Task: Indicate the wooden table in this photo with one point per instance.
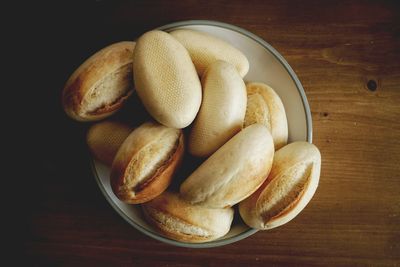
(347, 56)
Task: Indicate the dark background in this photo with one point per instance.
(336, 48)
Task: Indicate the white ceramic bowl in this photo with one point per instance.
(266, 65)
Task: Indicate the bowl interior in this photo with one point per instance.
(266, 65)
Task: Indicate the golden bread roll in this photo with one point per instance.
(289, 187)
(181, 221)
(233, 172)
(222, 110)
(104, 139)
(145, 162)
(204, 49)
(100, 86)
(264, 106)
(166, 80)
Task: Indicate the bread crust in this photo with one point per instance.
(233, 172)
(205, 48)
(181, 221)
(265, 106)
(289, 187)
(166, 80)
(146, 162)
(115, 59)
(222, 110)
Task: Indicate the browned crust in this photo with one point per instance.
(159, 181)
(173, 235)
(84, 77)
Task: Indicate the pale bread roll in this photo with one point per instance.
(204, 49)
(105, 138)
(233, 172)
(100, 86)
(181, 221)
(222, 110)
(265, 106)
(166, 80)
(289, 187)
(145, 162)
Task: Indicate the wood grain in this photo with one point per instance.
(335, 47)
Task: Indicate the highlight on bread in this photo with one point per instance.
(233, 172)
(100, 86)
(105, 138)
(265, 106)
(181, 221)
(166, 80)
(205, 48)
(146, 162)
(222, 110)
(289, 187)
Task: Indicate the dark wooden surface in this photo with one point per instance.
(337, 49)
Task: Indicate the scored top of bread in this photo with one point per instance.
(166, 80)
(205, 48)
(290, 185)
(145, 162)
(184, 222)
(101, 84)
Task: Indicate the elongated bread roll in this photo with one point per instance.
(204, 49)
(105, 138)
(289, 187)
(145, 162)
(264, 106)
(166, 79)
(100, 86)
(222, 110)
(181, 221)
(233, 172)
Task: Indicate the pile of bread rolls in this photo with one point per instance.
(192, 80)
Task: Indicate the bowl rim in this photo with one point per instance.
(307, 111)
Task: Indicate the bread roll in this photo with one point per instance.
(181, 221)
(233, 172)
(222, 110)
(204, 49)
(289, 187)
(264, 106)
(166, 80)
(145, 162)
(104, 139)
(99, 87)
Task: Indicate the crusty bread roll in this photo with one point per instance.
(233, 172)
(289, 187)
(145, 162)
(166, 79)
(104, 139)
(99, 87)
(181, 221)
(204, 49)
(264, 106)
(222, 110)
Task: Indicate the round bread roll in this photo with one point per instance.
(166, 80)
(204, 49)
(222, 110)
(289, 187)
(100, 86)
(145, 162)
(181, 221)
(104, 139)
(264, 106)
(233, 172)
